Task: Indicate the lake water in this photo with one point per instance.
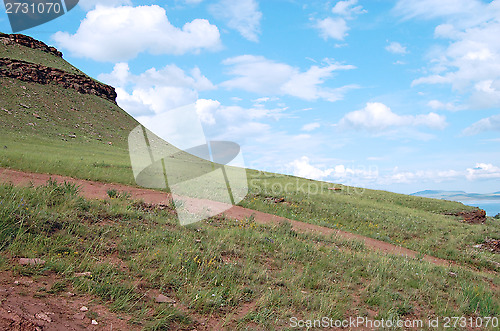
(492, 207)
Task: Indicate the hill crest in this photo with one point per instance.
(23, 67)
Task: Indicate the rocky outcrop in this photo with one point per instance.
(473, 217)
(28, 42)
(36, 73)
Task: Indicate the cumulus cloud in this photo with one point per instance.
(336, 27)
(242, 15)
(155, 91)
(376, 117)
(260, 75)
(366, 176)
(491, 123)
(120, 34)
(483, 171)
(470, 62)
(396, 48)
(302, 167)
(239, 124)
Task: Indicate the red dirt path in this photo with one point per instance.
(98, 190)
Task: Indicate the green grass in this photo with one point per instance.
(413, 222)
(220, 266)
(63, 113)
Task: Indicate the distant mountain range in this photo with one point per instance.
(457, 195)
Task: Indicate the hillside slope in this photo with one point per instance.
(53, 129)
(135, 258)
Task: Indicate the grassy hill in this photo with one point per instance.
(249, 275)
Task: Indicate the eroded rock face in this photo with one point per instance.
(31, 72)
(28, 42)
(475, 216)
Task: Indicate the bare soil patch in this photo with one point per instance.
(26, 306)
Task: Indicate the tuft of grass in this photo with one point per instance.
(221, 266)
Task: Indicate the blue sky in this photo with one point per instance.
(395, 95)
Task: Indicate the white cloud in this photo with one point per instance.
(260, 75)
(483, 171)
(348, 8)
(156, 91)
(376, 117)
(242, 15)
(193, 2)
(369, 176)
(91, 4)
(206, 109)
(120, 34)
(470, 63)
(491, 123)
(436, 104)
(310, 127)
(396, 48)
(408, 177)
(335, 28)
(302, 167)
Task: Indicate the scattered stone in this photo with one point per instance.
(79, 316)
(72, 136)
(25, 106)
(37, 116)
(36, 261)
(492, 245)
(452, 274)
(94, 322)
(335, 188)
(84, 308)
(276, 200)
(164, 299)
(83, 274)
(23, 87)
(43, 317)
(31, 124)
(110, 143)
(7, 111)
(4, 147)
(70, 294)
